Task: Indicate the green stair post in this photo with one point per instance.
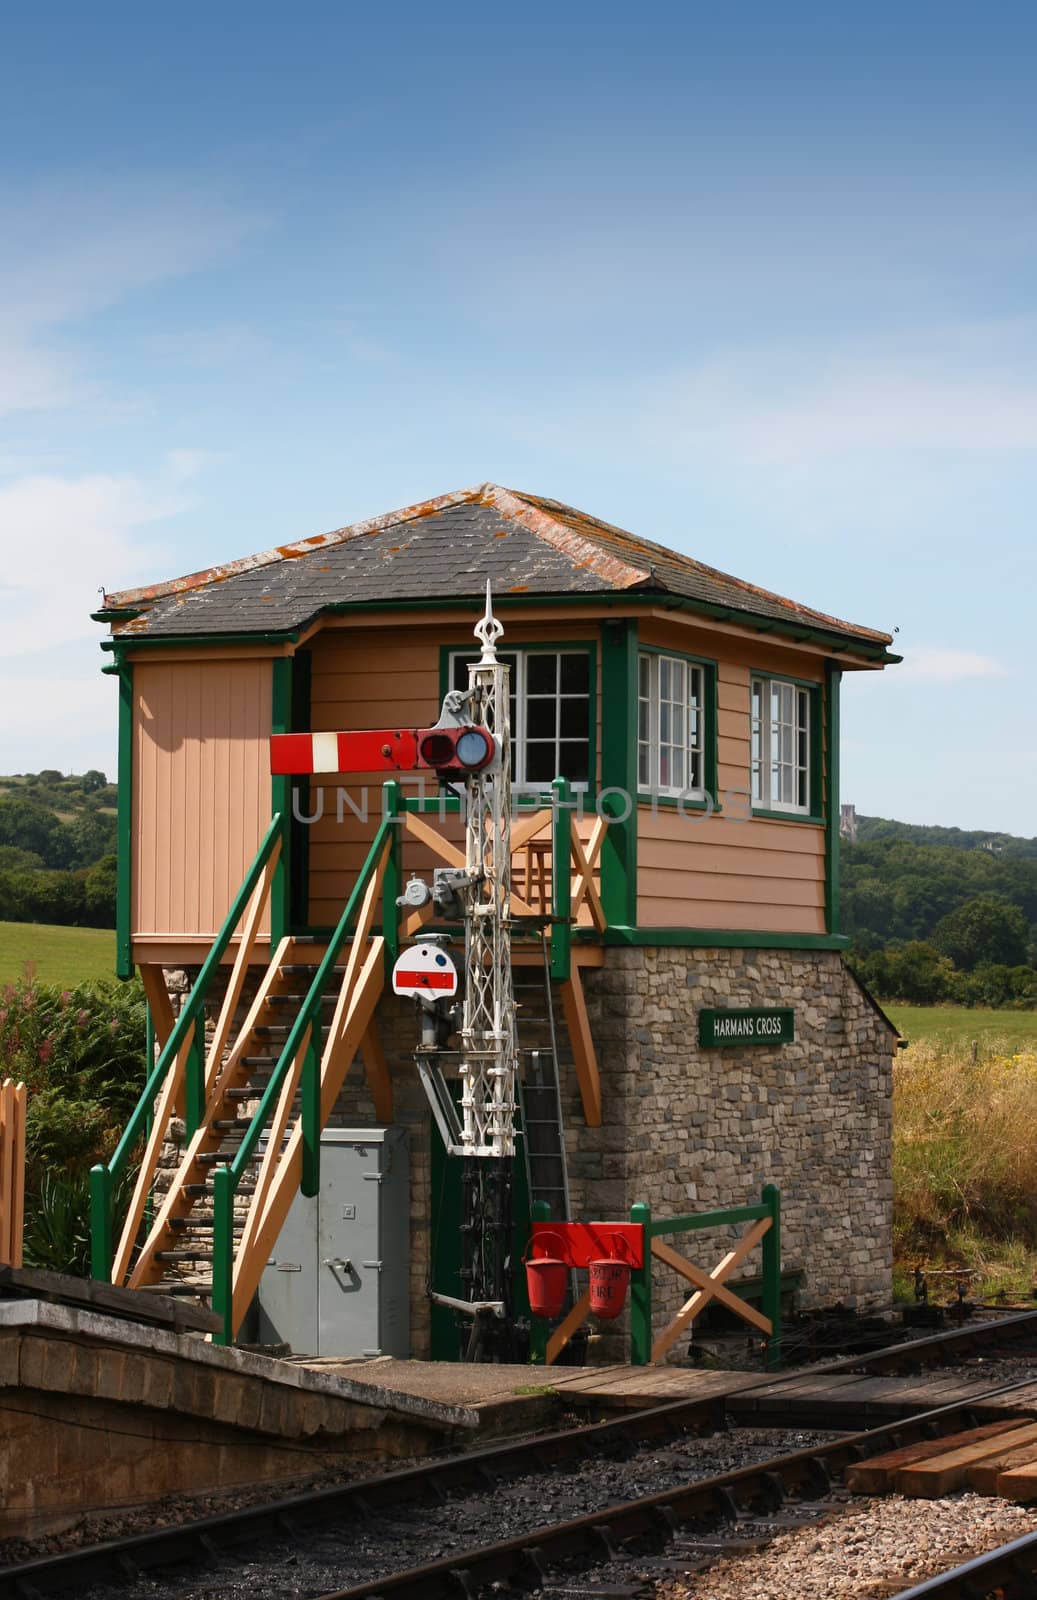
(223, 1253)
(561, 882)
(392, 883)
(194, 1082)
(641, 1292)
(101, 1224)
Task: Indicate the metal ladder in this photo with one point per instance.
(540, 1101)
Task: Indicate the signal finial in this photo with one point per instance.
(488, 631)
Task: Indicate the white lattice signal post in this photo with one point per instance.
(470, 744)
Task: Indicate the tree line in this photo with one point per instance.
(936, 921)
(58, 849)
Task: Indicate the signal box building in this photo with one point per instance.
(676, 898)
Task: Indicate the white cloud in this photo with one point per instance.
(937, 664)
(64, 538)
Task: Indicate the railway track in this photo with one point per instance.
(1010, 1572)
(694, 1511)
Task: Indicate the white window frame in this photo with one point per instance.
(522, 655)
(689, 711)
(780, 745)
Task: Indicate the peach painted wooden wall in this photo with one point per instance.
(698, 871)
(201, 793)
(380, 677)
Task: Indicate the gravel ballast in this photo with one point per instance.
(875, 1548)
(357, 1548)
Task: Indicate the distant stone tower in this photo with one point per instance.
(848, 823)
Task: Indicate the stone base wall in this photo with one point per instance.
(686, 1129)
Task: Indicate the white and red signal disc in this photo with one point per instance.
(425, 969)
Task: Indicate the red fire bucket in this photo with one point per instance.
(608, 1287)
(546, 1279)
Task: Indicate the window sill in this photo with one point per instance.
(789, 816)
(674, 801)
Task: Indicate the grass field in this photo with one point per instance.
(958, 1025)
(59, 955)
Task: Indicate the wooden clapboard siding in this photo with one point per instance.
(730, 870)
(370, 678)
(713, 872)
(201, 790)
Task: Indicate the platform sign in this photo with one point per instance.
(750, 1026)
(425, 969)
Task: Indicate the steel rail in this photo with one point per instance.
(712, 1499)
(199, 1538)
(653, 1519)
(1009, 1571)
(431, 1480)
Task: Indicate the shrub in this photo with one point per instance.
(80, 1052)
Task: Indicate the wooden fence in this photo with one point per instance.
(12, 1171)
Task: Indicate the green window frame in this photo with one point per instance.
(800, 754)
(702, 673)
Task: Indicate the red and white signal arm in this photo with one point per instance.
(425, 969)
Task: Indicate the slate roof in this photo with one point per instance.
(445, 549)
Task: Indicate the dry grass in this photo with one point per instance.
(964, 1158)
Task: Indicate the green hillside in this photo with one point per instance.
(942, 914)
(57, 848)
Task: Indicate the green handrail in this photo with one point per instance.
(227, 1178)
(769, 1205)
(561, 880)
(104, 1176)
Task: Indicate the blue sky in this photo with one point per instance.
(760, 283)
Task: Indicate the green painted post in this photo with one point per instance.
(149, 1057)
(561, 881)
(618, 793)
(281, 801)
(392, 883)
(124, 827)
(641, 1292)
(771, 1244)
(540, 1211)
(101, 1224)
(194, 1085)
(223, 1253)
(310, 1180)
(833, 680)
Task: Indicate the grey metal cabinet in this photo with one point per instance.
(338, 1283)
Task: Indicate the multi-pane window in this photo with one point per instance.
(670, 725)
(550, 713)
(780, 745)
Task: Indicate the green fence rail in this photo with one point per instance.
(641, 1277)
(105, 1176)
(227, 1178)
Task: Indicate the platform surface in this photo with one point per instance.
(488, 1388)
(515, 1395)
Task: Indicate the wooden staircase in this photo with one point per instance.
(253, 1096)
(177, 1255)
